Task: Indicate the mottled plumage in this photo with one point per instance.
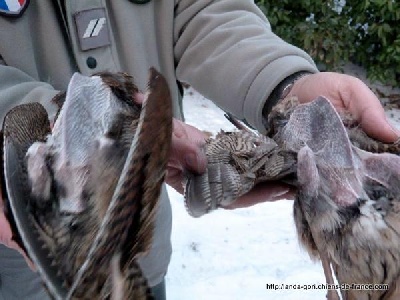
(236, 162)
(94, 182)
(347, 209)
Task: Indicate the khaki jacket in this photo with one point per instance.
(223, 48)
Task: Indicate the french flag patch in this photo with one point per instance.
(13, 8)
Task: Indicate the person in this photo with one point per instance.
(225, 49)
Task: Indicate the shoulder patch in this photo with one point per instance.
(13, 8)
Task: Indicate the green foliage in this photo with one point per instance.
(363, 31)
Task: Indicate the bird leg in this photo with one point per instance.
(235, 122)
(332, 294)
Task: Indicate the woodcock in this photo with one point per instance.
(347, 207)
(83, 194)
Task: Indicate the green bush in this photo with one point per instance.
(378, 41)
(365, 32)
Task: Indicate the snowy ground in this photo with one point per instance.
(234, 254)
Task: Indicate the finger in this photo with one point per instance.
(367, 108)
(183, 130)
(189, 155)
(265, 192)
(138, 98)
(174, 178)
(5, 229)
(6, 238)
(187, 148)
(178, 129)
(376, 125)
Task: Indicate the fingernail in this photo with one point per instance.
(283, 194)
(138, 97)
(395, 130)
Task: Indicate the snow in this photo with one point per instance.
(234, 254)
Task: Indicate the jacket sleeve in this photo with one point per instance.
(226, 50)
(16, 87)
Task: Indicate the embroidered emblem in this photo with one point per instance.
(92, 28)
(13, 8)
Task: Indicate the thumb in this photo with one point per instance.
(6, 238)
(187, 151)
(366, 107)
(351, 94)
(375, 123)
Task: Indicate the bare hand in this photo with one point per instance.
(6, 235)
(187, 154)
(344, 91)
(264, 192)
(351, 94)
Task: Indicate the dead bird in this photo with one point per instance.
(346, 211)
(347, 208)
(88, 189)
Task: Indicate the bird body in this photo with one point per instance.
(90, 187)
(347, 207)
(94, 182)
